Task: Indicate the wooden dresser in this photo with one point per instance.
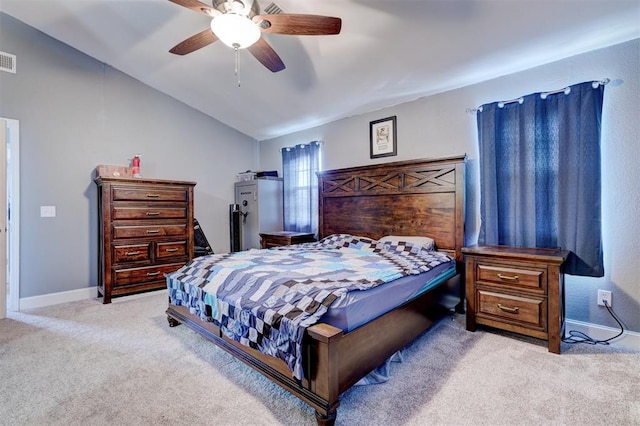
(516, 289)
(145, 231)
(284, 238)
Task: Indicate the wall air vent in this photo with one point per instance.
(272, 9)
(7, 62)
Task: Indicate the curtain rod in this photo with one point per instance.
(302, 145)
(543, 95)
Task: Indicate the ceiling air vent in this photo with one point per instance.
(7, 62)
(272, 9)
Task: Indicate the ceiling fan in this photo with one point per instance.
(239, 25)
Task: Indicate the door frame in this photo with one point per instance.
(13, 191)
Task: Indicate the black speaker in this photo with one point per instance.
(235, 227)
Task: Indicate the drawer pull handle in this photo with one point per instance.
(171, 250)
(153, 231)
(153, 213)
(508, 277)
(513, 310)
(153, 274)
(132, 253)
(153, 195)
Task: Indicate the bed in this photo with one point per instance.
(416, 198)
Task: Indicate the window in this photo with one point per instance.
(299, 167)
(540, 174)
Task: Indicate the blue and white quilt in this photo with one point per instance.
(265, 299)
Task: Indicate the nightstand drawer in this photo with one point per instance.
(285, 238)
(525, 310)
(511, 276)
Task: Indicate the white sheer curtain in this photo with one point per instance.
(299, 167)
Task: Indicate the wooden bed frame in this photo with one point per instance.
(420, 197)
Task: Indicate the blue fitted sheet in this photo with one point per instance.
(359, 307)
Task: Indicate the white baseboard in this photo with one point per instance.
(90, 293)
(57, 298)
(629, 339)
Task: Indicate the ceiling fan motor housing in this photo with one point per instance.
(248, 8)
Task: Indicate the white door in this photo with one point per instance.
(10, 222)
(3, 218)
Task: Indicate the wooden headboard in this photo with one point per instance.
(418, 197)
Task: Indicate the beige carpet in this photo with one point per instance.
(84, 363)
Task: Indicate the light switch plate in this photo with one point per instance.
(47, 211)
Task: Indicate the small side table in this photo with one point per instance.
(285, 238)
(517, 289)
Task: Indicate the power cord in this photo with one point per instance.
(580, 337)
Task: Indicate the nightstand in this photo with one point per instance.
(516, 289)
(285, 238)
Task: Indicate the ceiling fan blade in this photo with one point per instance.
(268, 57)
(196, 6)
(194, 42)
(298, 24)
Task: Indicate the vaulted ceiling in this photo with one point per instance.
(388, 52)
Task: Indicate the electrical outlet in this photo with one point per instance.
(604, 295)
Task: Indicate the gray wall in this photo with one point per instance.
(76, 113)
(438, 125)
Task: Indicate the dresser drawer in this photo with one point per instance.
(123, 277)
(528, 311)
(149, 194)
(125, 213)
(171, 249)
(510, 276)
(131, 253)
(176, 230)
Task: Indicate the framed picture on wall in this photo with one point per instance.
(382, 135)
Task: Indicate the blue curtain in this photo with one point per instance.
(299, 167)
(540, 174)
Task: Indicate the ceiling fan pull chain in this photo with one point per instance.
(237, 65)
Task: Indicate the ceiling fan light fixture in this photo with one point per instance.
(236, 31)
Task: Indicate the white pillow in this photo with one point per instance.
(425, 242)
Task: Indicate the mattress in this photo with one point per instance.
(356, 308)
